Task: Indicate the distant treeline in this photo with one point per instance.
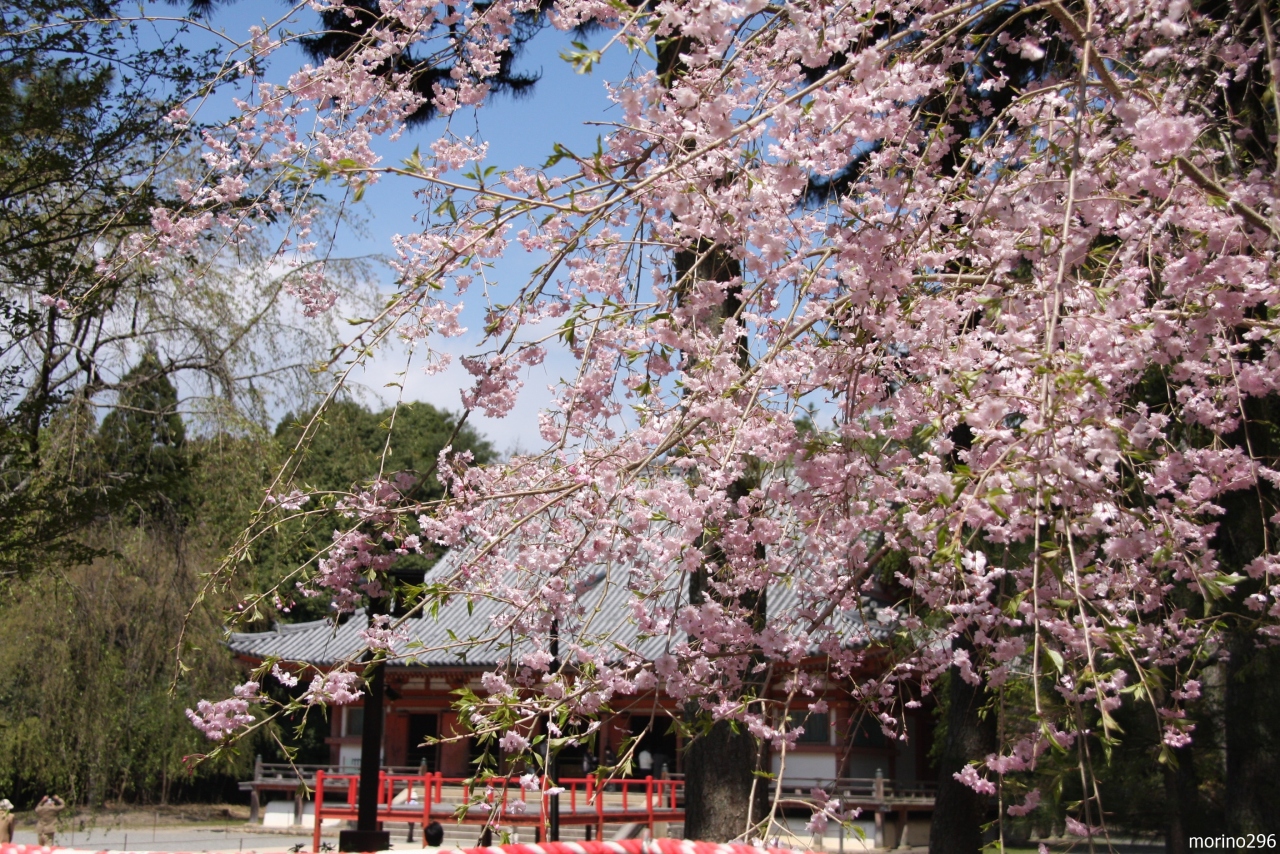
(91, 700)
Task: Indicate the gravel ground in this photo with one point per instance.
(189, 827)
(233, 838)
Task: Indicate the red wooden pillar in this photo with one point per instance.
(319, 811)
(648, 802)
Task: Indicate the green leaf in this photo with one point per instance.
(559, 153)
(581, 57)
(1056, 657)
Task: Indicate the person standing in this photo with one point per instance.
(6, 821)
(47, 817)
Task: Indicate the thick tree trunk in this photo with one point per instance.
(1180, 791)
(1189, 813)
(1193, 781)
(1253, 737)
(718, 777)
(719, 766)
(1251, 711)
(959, 812)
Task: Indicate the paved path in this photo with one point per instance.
(231, 838)
(242, 838)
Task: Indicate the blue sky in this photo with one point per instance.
(518, 131)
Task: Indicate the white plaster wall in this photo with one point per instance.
(807, 766)
(349, 757)
(865, 766)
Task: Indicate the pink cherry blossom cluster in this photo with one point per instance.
(351, 568)
(383, 634)
(826, 810)
(219, 720)
(337, 688)
(966, 361)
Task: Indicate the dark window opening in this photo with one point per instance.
(355, 720)
(817, 728)
(422, 727)
(868, 734)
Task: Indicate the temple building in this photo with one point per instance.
(438, 660)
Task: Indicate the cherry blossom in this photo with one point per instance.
(337, 687)
(952, 327)
(221, 719)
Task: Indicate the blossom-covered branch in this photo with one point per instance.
(1002, 316)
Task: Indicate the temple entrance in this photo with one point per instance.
(422, 727)
(659, 742)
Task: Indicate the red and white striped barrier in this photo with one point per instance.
(628, 846)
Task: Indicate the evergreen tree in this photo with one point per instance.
(334, 453)
(81, 147)
(143, 442)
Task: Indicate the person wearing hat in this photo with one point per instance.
(47, 817)
(6, 821)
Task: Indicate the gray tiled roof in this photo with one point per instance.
(467, 623)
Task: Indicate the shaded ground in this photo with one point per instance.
(131, 816)
(224, 828)
(192, 838)
(188, 827)
(203, 827)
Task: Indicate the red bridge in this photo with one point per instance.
(422, 798)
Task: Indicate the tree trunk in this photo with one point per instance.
(1194, 781)
(1251, 715)
(959, 812)
(1189, 812)
(718, 778)
(719, 766)
(1253, 737)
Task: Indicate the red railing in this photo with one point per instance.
(662, 800)
(625, 846)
